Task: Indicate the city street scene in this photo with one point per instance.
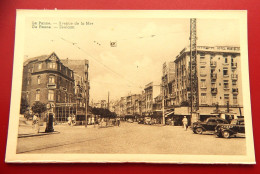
(132, 86)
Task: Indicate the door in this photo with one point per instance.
(212, 123)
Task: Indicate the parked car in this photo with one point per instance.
(148, 120)
(208, 125)
(237, 126)
(141, 121)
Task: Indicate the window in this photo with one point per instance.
(32, 67)
(37, 98)
(39, 80)
(202, 56)
(51, 79)
(40, 66)
(58, 96)
(52, 65)
(226, 59)
(203, 83)
(221, 121)
(203, 98)
(51, 95)
(66, 97)
(226, 84)
(234, 82)
(214, 98)
(225, 72)
(226, 98)
(211, 121)
(27, 95)
(235, 99)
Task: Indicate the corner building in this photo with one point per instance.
(47, 80)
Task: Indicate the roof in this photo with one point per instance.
(39, 58)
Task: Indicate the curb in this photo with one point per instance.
(35, 135)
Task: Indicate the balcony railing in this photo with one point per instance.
(214, 90)
(213, 63)
(234, 76)
(233, 65)
(213, 75)
(235, 90)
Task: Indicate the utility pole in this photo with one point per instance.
(194, 97)
(86, 91)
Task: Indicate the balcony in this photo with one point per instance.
(214, 90)
(51, 86)
(233, 65)
(234, 76)
(79, 96)
(213, 63)
(235, 90)
(213, 76)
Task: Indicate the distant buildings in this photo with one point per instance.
(219, 87)
(53, 82)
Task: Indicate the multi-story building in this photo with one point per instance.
(151, 91)
(219, 78)
(167, 82)
(81, 88)
(46, 79)
(122, 107)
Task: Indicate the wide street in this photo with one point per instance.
(131, 138)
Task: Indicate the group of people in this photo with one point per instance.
(72, 120)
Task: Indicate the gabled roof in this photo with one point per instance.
(40, 58)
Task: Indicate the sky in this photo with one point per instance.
(142, 46)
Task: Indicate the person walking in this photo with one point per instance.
(73, 122)
(185, 123)
(69, 121)
(35, 123)
(118, 121)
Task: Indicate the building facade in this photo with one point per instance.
(168, 77)
(49, 80)
(219, 77)
(81, 85)
(151, 91)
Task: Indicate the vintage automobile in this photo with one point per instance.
(208, 125)
(148, 120)
(237, 126)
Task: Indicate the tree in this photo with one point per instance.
(39, 107)
(23, 105)
(104, 113)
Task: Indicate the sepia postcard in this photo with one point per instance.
(152, 86)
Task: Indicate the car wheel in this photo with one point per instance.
(226, 134)
(199, 130)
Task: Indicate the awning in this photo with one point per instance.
(169, 113)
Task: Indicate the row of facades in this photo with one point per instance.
(219, 87)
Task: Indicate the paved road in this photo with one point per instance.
(130, 138)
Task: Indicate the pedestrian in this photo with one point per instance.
(35, 123)
(185, 123)
(69, 120)
(118, 121)
(73, 120)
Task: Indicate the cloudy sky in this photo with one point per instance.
(143, 45)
